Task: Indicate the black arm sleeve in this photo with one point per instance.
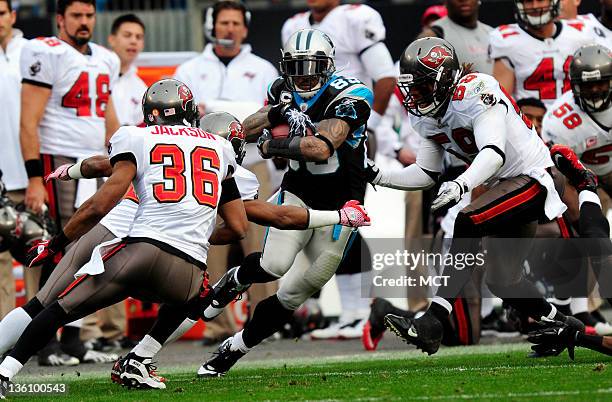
(229, 191)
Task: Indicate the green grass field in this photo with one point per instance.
(500, 372)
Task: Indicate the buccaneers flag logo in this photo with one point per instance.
(185, 94)
(436, 57)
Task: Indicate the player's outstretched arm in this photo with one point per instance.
(232, 210)
(88, 215)
(288, 217)
(90, 168)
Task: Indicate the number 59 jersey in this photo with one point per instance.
(178, 182)
(329, 184)
(565, 123)
(73, 122)
(541, 66)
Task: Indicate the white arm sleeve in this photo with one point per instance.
(378, 62)
(410, 178)
(490, 135)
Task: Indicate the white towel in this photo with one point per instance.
(553, 206)
(95, 266)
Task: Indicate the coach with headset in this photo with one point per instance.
(228, 72)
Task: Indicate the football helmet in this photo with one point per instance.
(8, 220)
(591, 77)
(535, 17)
(169, 102)
(29, 228)
(308, 61)
(429, 72)
(227, 126)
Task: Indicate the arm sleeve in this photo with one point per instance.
(430, 156)
(409, 178)
(36, 64)
(378, 62)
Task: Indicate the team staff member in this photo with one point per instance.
(11, 163)
(227, 70)
(67, 113)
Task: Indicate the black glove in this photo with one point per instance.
(265, 136)
(372, 173)
(278, 114)
(553, 339)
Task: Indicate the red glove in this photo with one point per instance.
(44, 250)
(353, 214)
(61, 173)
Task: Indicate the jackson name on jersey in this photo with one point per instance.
(328, 185)
(565, 123)
(178, 183)
(541, 66)
(73, 122)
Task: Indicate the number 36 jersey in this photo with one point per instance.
(328, 185)
(565, 123)
(540, 66)
(178, 182)
(73, 122)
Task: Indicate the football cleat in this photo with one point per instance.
(221, 362)
(225, 291)
(425, 332)
(554, 337)
(54, 358)
(92, 356)
(133, 371)
(567, 162)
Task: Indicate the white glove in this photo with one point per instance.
(450, 194)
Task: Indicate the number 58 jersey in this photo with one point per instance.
(565, 123)
(73, 122)
(178, 182)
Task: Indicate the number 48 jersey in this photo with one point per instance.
(178, 182)
(541, 66)
(73, 122)
(565, 123)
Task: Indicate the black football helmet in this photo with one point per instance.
(30, 228)
(169, 102)
(591, 77)
(429, 72)
(536, 17)
(227, 126)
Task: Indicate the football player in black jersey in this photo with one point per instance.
(325, 171)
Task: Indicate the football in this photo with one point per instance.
(282, 131)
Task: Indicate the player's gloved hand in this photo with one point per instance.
(554, 338)
(354, 215)
(278, 114)
(372, 173)
(61, 173)
(266, 135)
(299, 123)
(450, 194)
(44, 250)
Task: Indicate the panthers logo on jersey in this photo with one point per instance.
(346, 109)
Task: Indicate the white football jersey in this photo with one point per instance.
(352, 27)
(565, 123)
(73, 122)
(127, 98)
(178, 182)
(541, 66)
(595, 29)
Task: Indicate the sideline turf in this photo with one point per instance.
(476, 373)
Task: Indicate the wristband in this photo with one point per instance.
(74, 171)
(286, 148)
(327, 142)
(34, 168)
(317, 219)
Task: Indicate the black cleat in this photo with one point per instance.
(425, 332)
(133, 371)
(567, 162)
(221, 362)
(225, 291)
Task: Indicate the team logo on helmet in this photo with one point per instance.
(185, 94)
(236, 130)
(436, 56)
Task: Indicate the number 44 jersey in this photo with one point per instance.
(565, 123)
(178, 182)
(329, 184)
(73, 122)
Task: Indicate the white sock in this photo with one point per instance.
(443, 302)
(11, 328)
(236, 276)
(238, 343)
(147, 347)
(185, 326)
(588, 196)
(10, 367)
(579, 305)
(76, 324)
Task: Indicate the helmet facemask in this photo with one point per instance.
(593, 96)
(426, 94)
(536, 17)
(306, 74)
